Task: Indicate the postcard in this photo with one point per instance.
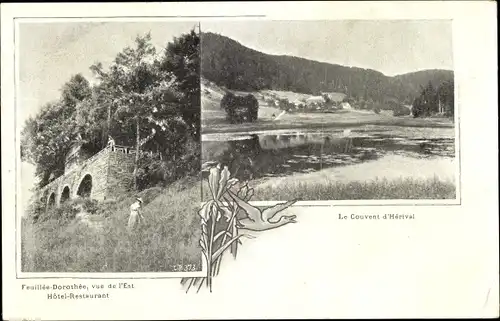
(249, 160)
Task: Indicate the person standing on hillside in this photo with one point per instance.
(111, 143)
(135, 217)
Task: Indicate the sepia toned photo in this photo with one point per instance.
(108, 115)
(332, 110)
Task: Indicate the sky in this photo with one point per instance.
(50, 53)
(389, 46)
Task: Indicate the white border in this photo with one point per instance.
(454, 251)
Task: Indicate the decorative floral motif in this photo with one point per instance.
(230, 199)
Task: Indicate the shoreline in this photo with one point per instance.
(253, 128)
(372, 171)
(407, 180)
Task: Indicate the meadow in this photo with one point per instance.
(59, 242)
(213, 118)
(390, 177)
(378, 189)
(393, 151)
(328, 188)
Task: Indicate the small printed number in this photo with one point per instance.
(184, 267)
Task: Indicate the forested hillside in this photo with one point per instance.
(232, 65)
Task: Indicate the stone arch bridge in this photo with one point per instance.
(103, 176)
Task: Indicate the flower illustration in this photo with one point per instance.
(228, 199)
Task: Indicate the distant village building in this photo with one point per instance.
(334, 96)
(345, 105)
(315, 100)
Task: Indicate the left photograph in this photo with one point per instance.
(108, 117)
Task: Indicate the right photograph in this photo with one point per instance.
(331, 110)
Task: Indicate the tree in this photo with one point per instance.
(142, 95)
(142, 99)
(427, 104)
(45, 141)
(240, 108)
(418, 107)
(182, 59)
(446, 94)
(75, 90)
(430, 99)
(47, 137)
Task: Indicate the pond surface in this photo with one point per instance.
(271, 154)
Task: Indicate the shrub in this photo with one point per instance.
(65, 212)
(161, 172)
(401, 111)
(240, 109)
(36, 209)
(182, 158)
(270, 102)
(349, 100)
(227, 101)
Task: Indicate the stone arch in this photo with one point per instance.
(51, 200)
(65, 195)
(85, 187)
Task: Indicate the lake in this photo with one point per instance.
(285, 152)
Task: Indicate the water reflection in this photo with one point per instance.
(257, 156)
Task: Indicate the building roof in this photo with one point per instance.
(335, 96)
(315, 99)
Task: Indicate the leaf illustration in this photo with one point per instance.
(224, 247)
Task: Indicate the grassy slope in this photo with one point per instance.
(169, 236)
(213, 118)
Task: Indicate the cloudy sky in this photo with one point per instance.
(50, 53)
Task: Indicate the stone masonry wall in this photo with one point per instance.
(96, 167)
(120, 174)
(111, 173)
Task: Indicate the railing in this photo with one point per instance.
(131, 150)
(121, 149)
